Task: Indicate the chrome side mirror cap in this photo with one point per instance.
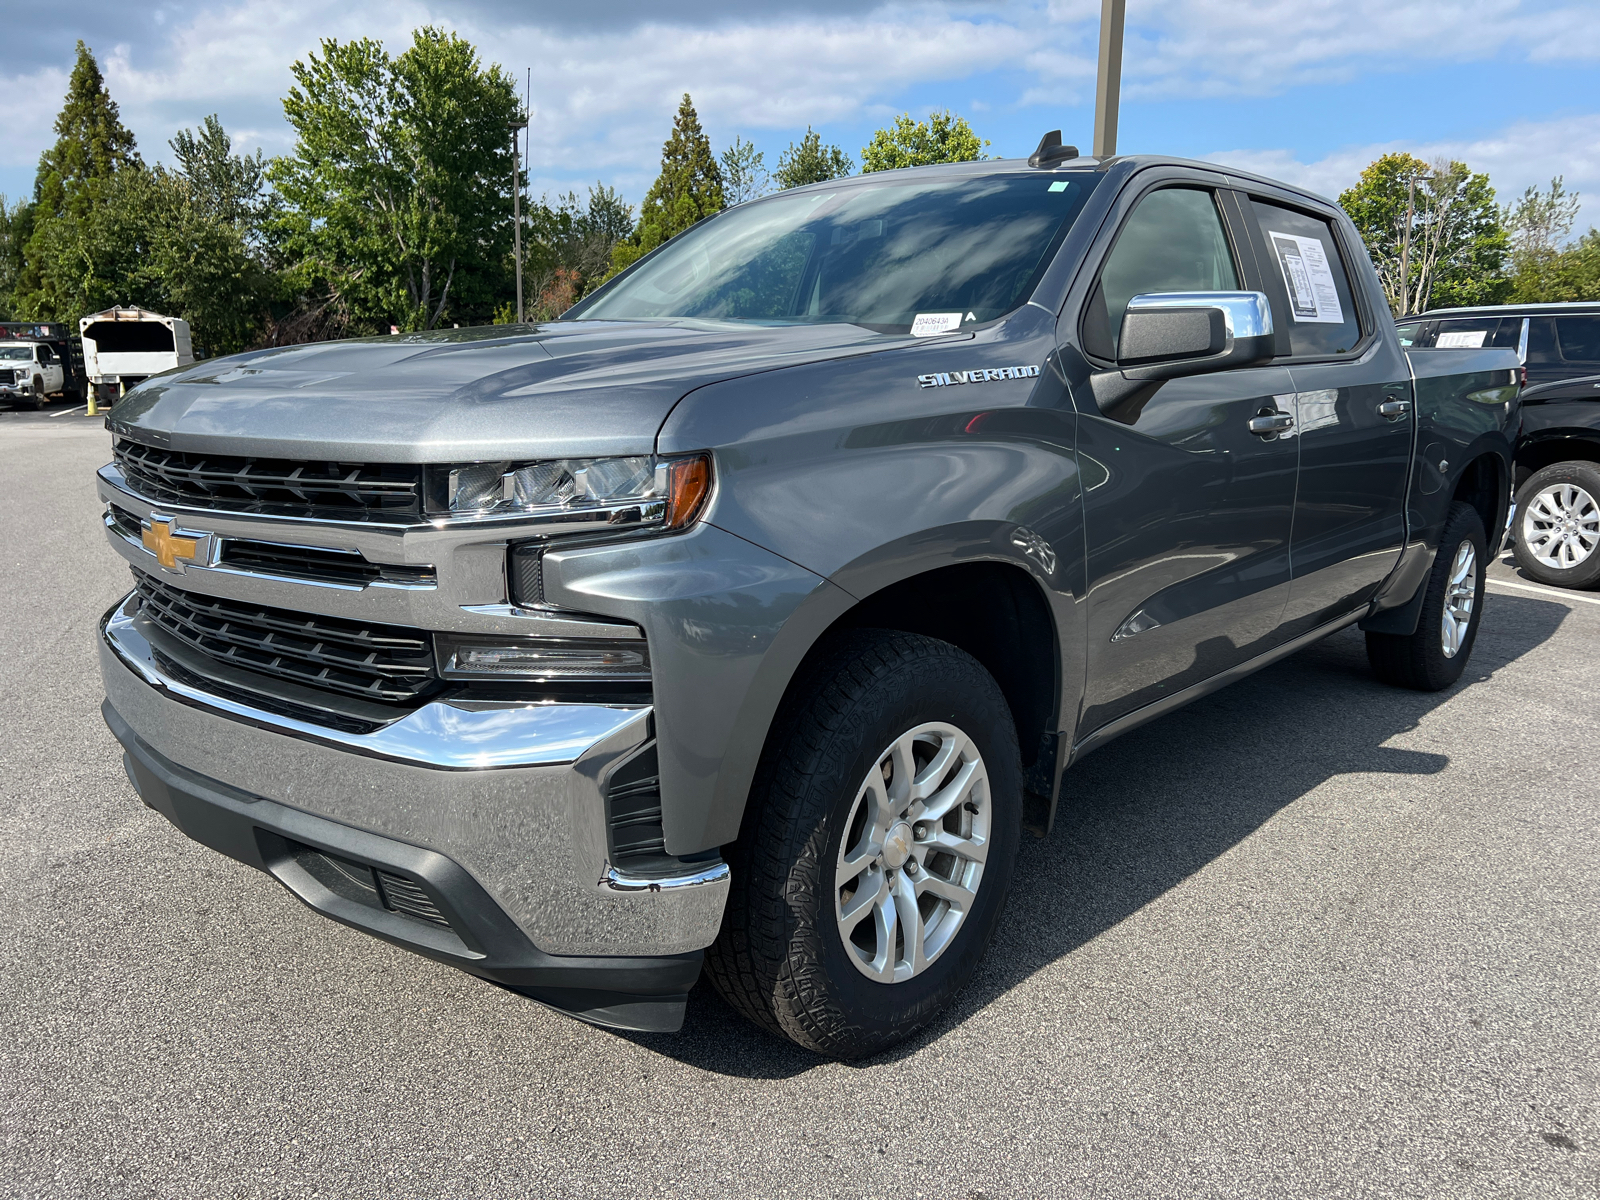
(1166, 335)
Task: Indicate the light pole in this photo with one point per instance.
(516, 205)
(1108, 84)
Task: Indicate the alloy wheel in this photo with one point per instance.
(1460, 594)
(913, 852)
(1561, 526)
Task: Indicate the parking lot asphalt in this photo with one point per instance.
(1310, 937)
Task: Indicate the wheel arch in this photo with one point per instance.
(991, 605)
(1555, 446)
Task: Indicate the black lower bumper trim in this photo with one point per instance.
(313, 857)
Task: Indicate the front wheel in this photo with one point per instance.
(1558, 525)
(879, 850)
(1433, 657)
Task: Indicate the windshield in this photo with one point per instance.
(14, 353)
(950, 251)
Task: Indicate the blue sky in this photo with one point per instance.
(1308, 90)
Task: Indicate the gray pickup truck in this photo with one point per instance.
(745, 617)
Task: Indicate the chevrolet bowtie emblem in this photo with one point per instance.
(174, 547)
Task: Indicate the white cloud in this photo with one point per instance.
(608, 75)
(1522, 155)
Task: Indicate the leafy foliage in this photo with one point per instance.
(810, 161)
(1433, 230)
(397, 201)
(942, 138)
(688, 189)
(744, 173)
(569, 246)
(1544, 267)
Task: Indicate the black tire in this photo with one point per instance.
(1418, 660)
(781, 959)
(1581, 483)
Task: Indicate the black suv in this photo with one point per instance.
(1556, 527)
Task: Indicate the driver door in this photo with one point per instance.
(1187, 511)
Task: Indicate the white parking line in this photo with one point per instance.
(66, 411)
(1553, 593)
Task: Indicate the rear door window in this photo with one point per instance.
(1173, 242)
(1462, 333)
(1316, 304)
(1579, 339)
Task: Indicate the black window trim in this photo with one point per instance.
(1270, 283)
(1127, 201)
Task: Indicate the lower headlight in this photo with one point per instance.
(542, 659)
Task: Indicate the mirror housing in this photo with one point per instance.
(1168, 335)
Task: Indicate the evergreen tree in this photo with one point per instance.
(811, 162)
(688, 189)
(74, 179)
(942, 138)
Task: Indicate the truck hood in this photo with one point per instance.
(544, 391)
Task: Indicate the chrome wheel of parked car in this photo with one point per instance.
(1561, 526)
(1460, 594)
(913, 853)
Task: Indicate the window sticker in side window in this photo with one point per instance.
(1307, 278)
(1462, 339)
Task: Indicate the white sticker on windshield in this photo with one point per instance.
(1462, 340)
(1308, 278)
(928, 324)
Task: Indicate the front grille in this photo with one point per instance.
(8, 376)
(316, 563)
(275, 486)
(355, 658)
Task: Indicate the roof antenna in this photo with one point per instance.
(1051, 151)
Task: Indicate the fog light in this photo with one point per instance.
(543, 658)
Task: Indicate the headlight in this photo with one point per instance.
(548, 659)
(573, 493)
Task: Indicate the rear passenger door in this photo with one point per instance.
(1353, 414)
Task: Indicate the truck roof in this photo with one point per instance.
(1554, 306)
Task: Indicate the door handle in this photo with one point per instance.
(1394, 409)
(1271, 422)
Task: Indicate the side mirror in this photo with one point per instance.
(1167, 335)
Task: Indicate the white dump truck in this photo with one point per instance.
(125, 346)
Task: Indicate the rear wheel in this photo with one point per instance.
(879, 851)
(1558, 525)
(1433, 657)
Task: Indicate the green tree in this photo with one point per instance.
(942, 138)
(397, 194)
(809, 161)
(1433, 230)
(231, 187)
(569, 245)
(92, 148)
(16, 223)
(1540, 225)
(744, 172)
(688, 189)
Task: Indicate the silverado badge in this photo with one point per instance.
(175, 547)
(984, 375)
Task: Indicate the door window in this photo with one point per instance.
(1579, 338)
(1173, 242)
(1316, 303)
(1466, 332)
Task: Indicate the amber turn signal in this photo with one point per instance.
(688, 486)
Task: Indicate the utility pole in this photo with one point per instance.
(1108, 84)
(1405, 247)
(516, 205)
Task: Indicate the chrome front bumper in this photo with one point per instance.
(510, 791)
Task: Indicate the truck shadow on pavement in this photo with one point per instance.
(1144, 813)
